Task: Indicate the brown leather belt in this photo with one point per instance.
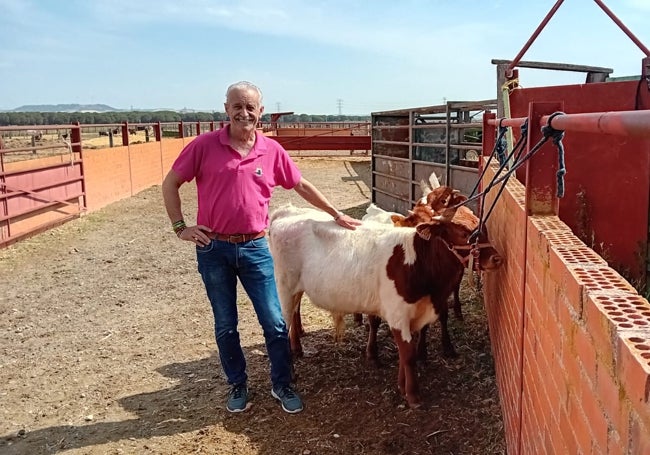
(236, 238)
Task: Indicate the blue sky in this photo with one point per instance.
(313, 57)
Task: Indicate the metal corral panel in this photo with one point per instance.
(409, 144)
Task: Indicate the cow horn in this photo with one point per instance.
(434, 182)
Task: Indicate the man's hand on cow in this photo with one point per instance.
(348, 222)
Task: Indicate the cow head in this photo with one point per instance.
(443, 207)
(444, 197)
(434, 203)
(457, 238)
(421, 213)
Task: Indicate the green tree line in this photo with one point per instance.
(91, 118)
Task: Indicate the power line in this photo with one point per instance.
(339, 104)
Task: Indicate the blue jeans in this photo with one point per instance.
(220, 264)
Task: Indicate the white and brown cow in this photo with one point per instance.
(433, 202)
(402, 275)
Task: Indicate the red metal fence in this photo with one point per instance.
(38, 194)
(44, 180)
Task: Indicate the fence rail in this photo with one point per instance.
(622, 123)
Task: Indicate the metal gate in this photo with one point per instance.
(409, 144)
(41, 186)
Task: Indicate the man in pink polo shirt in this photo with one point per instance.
(236, 169)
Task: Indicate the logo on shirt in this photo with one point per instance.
(258, 171)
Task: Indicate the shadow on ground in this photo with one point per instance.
(351, 407)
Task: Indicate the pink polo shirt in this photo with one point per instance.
(234, 192)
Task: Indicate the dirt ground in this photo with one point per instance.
(107, 347)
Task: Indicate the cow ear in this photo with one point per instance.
(397, 218)
(424, 230)
(457, 198)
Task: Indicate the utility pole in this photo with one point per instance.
(339, 104)
(277, 107)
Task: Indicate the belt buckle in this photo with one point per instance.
(236, 236)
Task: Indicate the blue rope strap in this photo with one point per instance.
(500, 145)
(557, 137)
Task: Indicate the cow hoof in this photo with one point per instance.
(449, 353)
(373, 362)
(414, 404)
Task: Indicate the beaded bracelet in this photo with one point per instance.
(338, 215)
(178, 227)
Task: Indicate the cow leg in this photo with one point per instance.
(294, 328)
(422, 344)
(371, 347)
(457, 312)
(339, 327)
(358, 319)
(407, 375)
(297, 320)
(447, 348)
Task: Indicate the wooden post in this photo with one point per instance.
(156, 131)
(75, 137)
(125, 133)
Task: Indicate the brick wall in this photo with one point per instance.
(570, 338)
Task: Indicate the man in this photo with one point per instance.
(236, 169)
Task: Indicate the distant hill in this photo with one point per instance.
(65, 108)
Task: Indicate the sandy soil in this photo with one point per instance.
(107, 347)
